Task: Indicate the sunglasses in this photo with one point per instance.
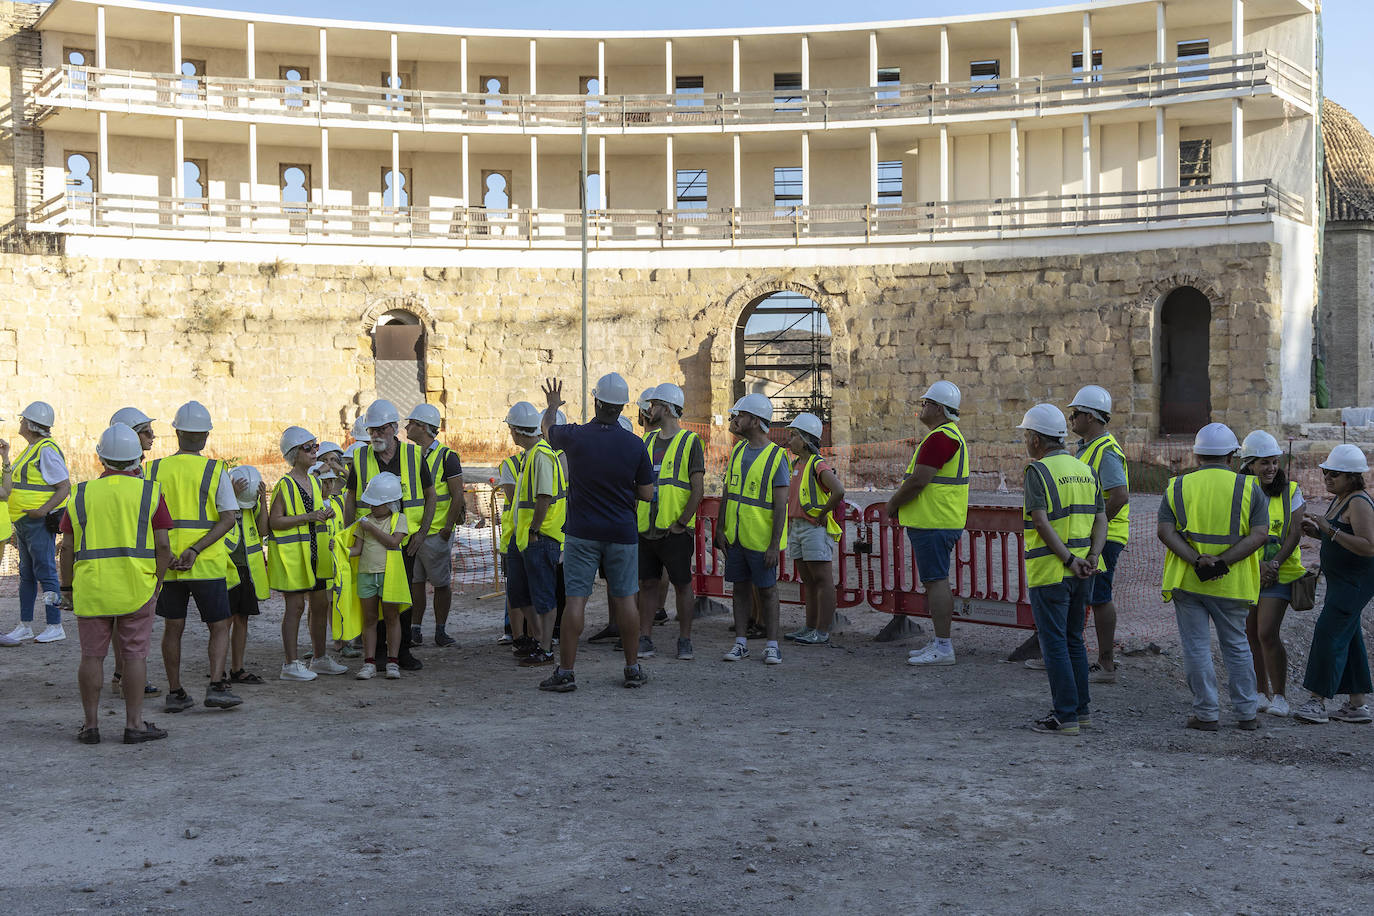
(1329, 473)
(311, 447)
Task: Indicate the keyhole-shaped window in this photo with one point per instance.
(395, 189)
(80, 176)
(493, 86)
(191, 71)
(291, 94)
(293, 186)
(497, 196)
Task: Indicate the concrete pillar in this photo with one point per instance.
(395, 161)
(251, 53)
(1015, 183)
(669, 175)
(324, 164)
(806, 168)
(806, 62)
(1237, 140)
(323, 72)
(944, 54)
(1087, 48)
(601, 172)
(1088, 183)
(176, 46)
(102, 150)
(1161, 173)
(252, 162)
(534, 173)
(100, 37)
(873, 165)
(736, 151)
(1015, 50)
(534, 84)
(463, 71)
(734, 65)
(179, 157)
(466, 197)
(668, 85)
(873, 59)
(1161, 34)
(601, 67)
(395, 71)
(1237, 26)
(944, 163)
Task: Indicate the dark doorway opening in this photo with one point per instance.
(1185, 387)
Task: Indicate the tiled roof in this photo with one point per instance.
(1349, 165)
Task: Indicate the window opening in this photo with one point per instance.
(390, 197)
(496, 191)
(493, 87)
(396, 101)
(1076, 66)
(787, 190)
(192, 86)
(195, 183)
(595, 190)
(890, 182)
(691, 189)
(784, 343)
(787, 94)
(689, 91)
(294, 184)
(77, 60)
(984, 74)
(590, 86)
(293, 94)
(81, 174)
(1195, 162)
(889, 78)
(1192, 59)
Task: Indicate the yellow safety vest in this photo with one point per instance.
(1211, 507)
(943, 503)
(6, 526)
(1280, 515)
(513, 464)
(435, 458)
(525, 498)
(412, 494)
(332, 527)
(749, 498)
(288, 550)
(29, 490)
(347, 613)
(245, 532)
(115, 569)
(189, 484)
(674, 481)
(1119, 528)
(809, 492)
(1073, 491)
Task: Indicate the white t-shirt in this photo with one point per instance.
(51, 467)
(225, 500)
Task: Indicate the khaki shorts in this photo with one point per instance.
(434, 562)
(809, 543)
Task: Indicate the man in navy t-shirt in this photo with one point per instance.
(608, 473)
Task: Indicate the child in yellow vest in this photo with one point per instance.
(246, 572)
(382, 586)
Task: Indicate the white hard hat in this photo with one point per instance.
(756, 405)
(118, 443)
(946, 394)
(560, 418)
(250, 476)
(353, 447)
(39, 413)
(1259, 444)
(328, 448)
(612, 389)
(192, 417)
(131, 417)
(382, 489)
(1094, 399)
(645, 397)
(1215, 439)
(360, 428)
(427, 414)
(524, 416)
(1346, 459)
(379, 413)
(808, 423)
(294, 437)
(1045, 419)
(321, 471)
(626, 424)
(669, 393)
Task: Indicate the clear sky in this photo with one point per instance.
(1349, 24)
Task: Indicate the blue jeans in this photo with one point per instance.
(1228, 615)
(1058, 613)
(37, 568)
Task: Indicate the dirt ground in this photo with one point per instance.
(843, 780)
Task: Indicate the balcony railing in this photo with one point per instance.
(163, 217)
(171, 94)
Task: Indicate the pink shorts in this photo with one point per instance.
(133, 631)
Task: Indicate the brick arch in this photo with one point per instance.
(432, 387)
(1145, 321)
(377, 306)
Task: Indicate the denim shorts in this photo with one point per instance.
(1278, 591)
(530, 574)
(1101, 590)
(618, 562)
(743, 565)
(933, 547)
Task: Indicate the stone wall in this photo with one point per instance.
(1346, 317)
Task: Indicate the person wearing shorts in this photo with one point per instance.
(433, 562)
(814, 494)
(247, 567)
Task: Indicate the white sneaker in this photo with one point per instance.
(771, 655)
(1278, 706)
(738, 652)
(18, 636)
(53, 633)
(1264, 701)
(932, 656)
(1035, 664)
(366, 672)
(326, 665)
(296, 671)
(1313, 711)
(393, 671)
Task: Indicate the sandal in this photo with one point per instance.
(242, 676)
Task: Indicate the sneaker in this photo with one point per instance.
(18, 636)
(796, 634)
(178, 700)
(1099, 675)
(410, 663)
(1265, 703)
(1035, 664)
(559, 682)
(217, 696)
(443, 640)
(646, 647)
(54, 633)
(684, 650)
(1351, 715)
(393, 671)
(1312, 712)
(536, 659)
(738, 652)
(149, 732)
(151, 690)
(244, 677)
(1050, 725)
(1278, 706)
(931, 657)
(771, 655)
(417, 636)
(366, 673)
(635, 676)
(813, 638)
(609, 631)
(350, 651)
(504, 639)
(523, 645)
(296, 671)
(1202, 725)
(326, 665)
(660, 616)
(88, 735)
(1085, 720)
(1248, 725)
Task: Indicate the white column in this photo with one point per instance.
(463, 71)
(1161, 34)
(534, 85)
(1087, 155)
(1237, 26)
(324, 165)
(179, 156)
(669, 175)
(323, 73)
(395, 71)
(734, 68)
(944, 163)
(1161, 174)
(1087, 48)
(806, 62)
(251, 53)
(872, 165)
(873, 59)
(395, 161)
(466, 177)
(102, 149)
(176, 45)
(806, 168)
(1237, 141)
(1015, 184)
(1015, 55)
(601, 67)
(601, 172)
(944, 54)
(534, 172)
(736, 151)
(100, 38)
(252, 162)
(668, 66)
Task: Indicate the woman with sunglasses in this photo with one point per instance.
(1337, 662)
(296, 556)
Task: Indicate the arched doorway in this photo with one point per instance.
(1185, 388)
(783, 350)
(398, 353)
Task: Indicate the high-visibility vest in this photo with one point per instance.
(1280, 517)
(809, 492)
(1118, 528)
(288, 550)
(435, 458)
(1211, 507)
(1073, 491)
(749, 498)
(347, 616)
(674, 481)
(513, 464)
(365, 467)
(332, 527)
(245, 532)
(29, 490)
(942, 503)
(189, 484)
(552, 526)
(115, 568)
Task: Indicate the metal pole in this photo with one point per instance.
(584, 263)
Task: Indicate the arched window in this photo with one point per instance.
(81, 176)
(783, 350)
(1185, 386)
(398, 352)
